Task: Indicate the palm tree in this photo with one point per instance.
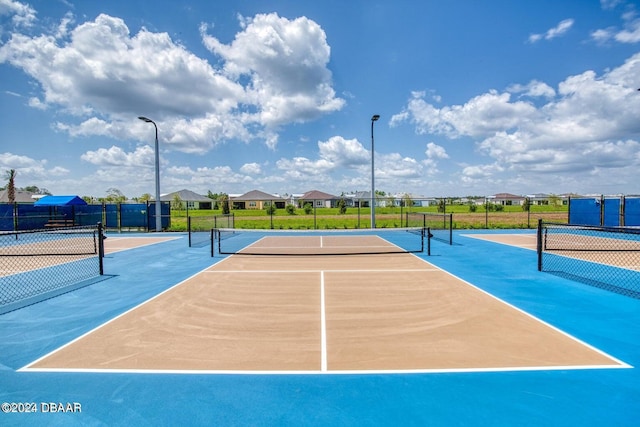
(10, 175)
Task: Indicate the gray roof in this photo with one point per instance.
(21, 196)
(257, 195)
(318, 195)
(185, 196)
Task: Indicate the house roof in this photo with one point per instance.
(60, 201)
(317, 195)
(20, 196)
(507, 196)
(185, 196)
(257, 195)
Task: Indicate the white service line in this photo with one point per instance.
(323, 326)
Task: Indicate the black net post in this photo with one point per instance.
(539, 244)
(100, 248)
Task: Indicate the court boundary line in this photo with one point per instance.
(330, 372)
(323, 326)
(547, 324)
(27, 366)
(620, 364)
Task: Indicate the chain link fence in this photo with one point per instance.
(605, 257)
(38, 264)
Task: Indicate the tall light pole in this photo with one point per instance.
(158, 209)
(373, 194)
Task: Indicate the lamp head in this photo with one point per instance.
(144, 119)
(375, 117)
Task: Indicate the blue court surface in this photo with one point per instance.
(604, 320)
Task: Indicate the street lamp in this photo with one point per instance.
(373, 196)
(158, 209)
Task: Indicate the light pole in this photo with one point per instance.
(373, 195)
(158, 209)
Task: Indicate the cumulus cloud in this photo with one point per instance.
(286, 61)
(581, 128)
(251, 169)
(105, 75)
(115, 156)
(629, 33)
(22, 15)
(554, 32)
(28, 168)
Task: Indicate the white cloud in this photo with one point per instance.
(629, 34)
(22, 15)
(29, 169)
(581, 129)
(554, 32)
(435, 151)
(251, 169)
(101, 73)
(286, 61)
(533, 89)
(115, 156)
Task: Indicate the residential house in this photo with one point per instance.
(20, 196)
(189, 198)
(318, 199)
(507, 199)
(257, 200)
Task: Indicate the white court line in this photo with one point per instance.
(311, 270)
(345, 372)
(323, 325)
(324, 370)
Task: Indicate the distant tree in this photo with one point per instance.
(270, 208)
(308, 208)
(407, 202)
(176, 203)
(342, 206)
(554, 200)
(145, 198)
(442, 205)
(290, 209)
(526, 205)
(10, 175)
(115, 196)
(224, 203)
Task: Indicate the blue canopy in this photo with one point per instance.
(60, 201)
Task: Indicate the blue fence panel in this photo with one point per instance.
(133, 215)
(6, 217)
(88, 214)
(612, 212)
(632, 211)
(584, 211)
(165, 214)
(111, 216)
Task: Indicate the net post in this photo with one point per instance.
(213, 242)
(100, 248)
(189, 229)
(539, 244)
(451, 229)
(428, 241)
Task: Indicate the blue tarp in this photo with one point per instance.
(60, 201)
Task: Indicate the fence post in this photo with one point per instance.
(539, 244)
(101, 247)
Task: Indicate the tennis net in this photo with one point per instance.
(36, 264)
(440, 224)
(606, 257)
(320, 242)
(199, 227)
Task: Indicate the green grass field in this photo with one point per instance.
(393, 217)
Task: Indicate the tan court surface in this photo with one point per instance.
(324, 313)
(16, 264)
(628, 255)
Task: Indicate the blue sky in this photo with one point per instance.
(475, 97)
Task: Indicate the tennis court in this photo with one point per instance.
(292, 333)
